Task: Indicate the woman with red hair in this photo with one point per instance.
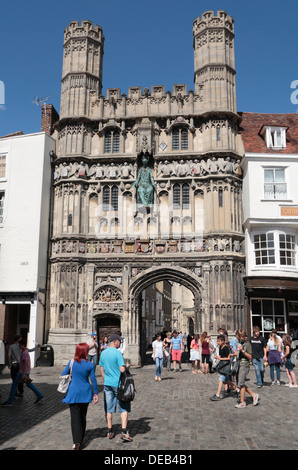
(80, 393)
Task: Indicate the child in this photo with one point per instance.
(245, 356)
(223, 355)
(195, 354)
(287, 340)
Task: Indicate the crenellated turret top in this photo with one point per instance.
(211, 20)
(85, 29)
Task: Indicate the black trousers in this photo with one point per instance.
(78, 418)
(14, 370)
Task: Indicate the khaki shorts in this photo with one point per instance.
(242, 375)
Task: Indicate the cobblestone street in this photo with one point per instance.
(175, 414)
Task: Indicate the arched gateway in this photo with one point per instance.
(147, 187)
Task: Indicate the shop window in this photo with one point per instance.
(268, 314)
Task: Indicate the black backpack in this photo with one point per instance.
(126, 387)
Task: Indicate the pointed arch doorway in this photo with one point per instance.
(133, 329)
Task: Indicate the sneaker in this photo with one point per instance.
(293, 386)
(259, 386)
(273, 382)
(6, 404)
(215, 398)
(240, 405)
(255, 399)
(111, 434)
(288, 385)
(125, 437)
(278, 382)
(39, 399)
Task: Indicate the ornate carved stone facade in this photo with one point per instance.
(105, 248)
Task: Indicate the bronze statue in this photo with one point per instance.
(145, 184)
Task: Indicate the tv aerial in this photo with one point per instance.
(41, 101)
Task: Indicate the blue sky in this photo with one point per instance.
(146, 43)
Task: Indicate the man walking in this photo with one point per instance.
(258, 344)
(176, 350)
(111, 365)
(23, 373)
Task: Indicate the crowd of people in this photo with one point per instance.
(205, 356)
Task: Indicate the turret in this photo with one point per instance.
(82, 68)
(214, 61)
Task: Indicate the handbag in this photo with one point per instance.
(234, 364)
(26, 380)
(223, 367)
(65, 381)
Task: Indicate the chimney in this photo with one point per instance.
(49, 116)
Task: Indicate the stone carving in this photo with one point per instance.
(165, 169)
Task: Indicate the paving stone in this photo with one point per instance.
(173, 415)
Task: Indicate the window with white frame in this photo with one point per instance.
(275, 249)
(264, 248)
(275, 137)
(275, 186)
(2, 166)
(2, 194)
(287, 249)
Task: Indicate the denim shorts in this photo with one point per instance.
(224, 377)
(111, 401)
(289, 365)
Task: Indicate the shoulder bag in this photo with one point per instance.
(65, 380)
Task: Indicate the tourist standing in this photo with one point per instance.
(258, 344)
(104, 344)
(167, 349)
(93, 348)
(176, 350)
(195, 354)
(80, 393)
(157, 346)
(287, 341)
(272, 354)
(205, 352)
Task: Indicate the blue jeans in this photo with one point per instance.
(158, 366)
(259, 370)
(92, 359)
(15, 386)
(277, 368)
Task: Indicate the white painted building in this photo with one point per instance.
(270, 215)
(25, 188)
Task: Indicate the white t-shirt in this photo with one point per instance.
(157, 345)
